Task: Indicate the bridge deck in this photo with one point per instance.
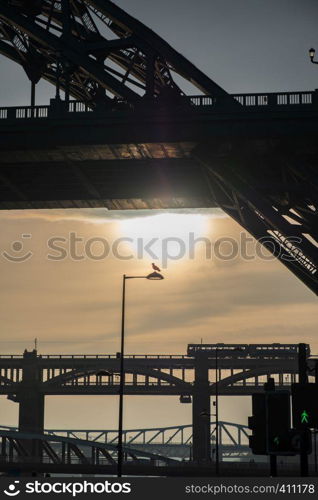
(241, 372)
(130, 158)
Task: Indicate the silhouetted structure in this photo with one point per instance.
(133, 139)
(242, 369)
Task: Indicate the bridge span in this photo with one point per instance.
(173, 442)
(69, 452)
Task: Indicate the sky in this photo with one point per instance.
(72, 304)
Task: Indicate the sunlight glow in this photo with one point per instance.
(170, 229)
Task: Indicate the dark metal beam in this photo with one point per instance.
(109, 45)
(70, 51)
(260, 219)
(179, 63)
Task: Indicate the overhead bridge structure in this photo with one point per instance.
(237, 369)
(124, 131)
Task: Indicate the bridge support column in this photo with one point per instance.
(201, 411)
(31, 402)
(31, 412)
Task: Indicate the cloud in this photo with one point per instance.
(99, 215)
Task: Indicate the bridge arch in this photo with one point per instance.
(138, 370)
(143, 63)
(255, 372)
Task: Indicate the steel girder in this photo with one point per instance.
(94, 51)
(19, 447)
(244, 184)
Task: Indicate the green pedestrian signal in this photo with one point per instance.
(304, 417)
(305, 405)
(278, 421)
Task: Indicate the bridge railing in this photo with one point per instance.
(109, 356)
(278, 100)
(24, 112)
(11, 356)
(79, 107)
(108, 382)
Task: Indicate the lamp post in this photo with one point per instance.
(315, 448)
(216, 413)
(312, 55)
(153, 277)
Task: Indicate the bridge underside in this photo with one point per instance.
(150, 159)
(261, 173)
(116, 184)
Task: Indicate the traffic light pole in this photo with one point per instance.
(315, 431)
(303, 379)
(270, 386)
(273, 465)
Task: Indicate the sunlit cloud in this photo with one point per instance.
(166, 237)
(100, 215)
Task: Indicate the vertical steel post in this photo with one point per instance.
(303, 379)
(273, 465)
(201, 447)
(31, 403)
(315, 431)
(58, 76)
(121, 384)
(270, 386)
(315, 445)
(217, 467)
(32, 94)
(67, 84)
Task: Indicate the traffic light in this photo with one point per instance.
(305, 405)
(289, 443)
(278, 422)
(257, 423)
(270, 423)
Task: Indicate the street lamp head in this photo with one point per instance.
(312, 53)
(155, 276)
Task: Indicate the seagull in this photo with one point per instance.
(155, 268)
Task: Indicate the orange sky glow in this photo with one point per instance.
(72, 304)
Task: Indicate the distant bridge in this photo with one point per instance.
(173, 442)
(242, 370)
(23, 453)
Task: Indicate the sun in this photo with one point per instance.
(165, 236)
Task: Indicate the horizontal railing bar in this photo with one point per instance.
(260, 99)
